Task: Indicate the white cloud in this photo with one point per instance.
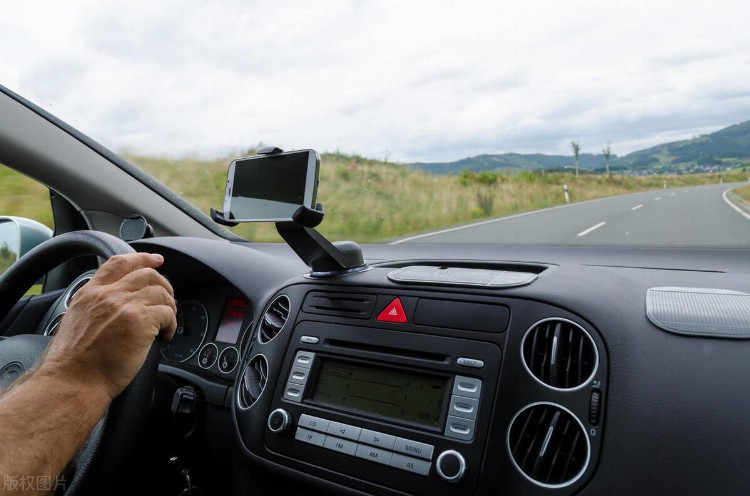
(420, 80)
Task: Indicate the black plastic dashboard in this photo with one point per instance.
(627, 408)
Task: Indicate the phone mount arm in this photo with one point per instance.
(322, 256)
(326, 259)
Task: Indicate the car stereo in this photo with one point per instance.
(373, 404)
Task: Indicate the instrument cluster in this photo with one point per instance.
(210, 326)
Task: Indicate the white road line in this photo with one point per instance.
(672, 194)
(738, 209)
(498, 219)
(584, 233)
(657, 198)
(637, 207)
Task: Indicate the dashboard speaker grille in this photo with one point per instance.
(560, 354)
(274, 319)
(548, 445)
(253, 381)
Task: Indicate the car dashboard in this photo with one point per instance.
(470, 370)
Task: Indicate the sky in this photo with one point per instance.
(403, 80)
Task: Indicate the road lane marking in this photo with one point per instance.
(738, 209)
(672, 194)
(657, 198)
(592, 228)
(508, 217)
(637, 207)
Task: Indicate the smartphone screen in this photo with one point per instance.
(272, 187)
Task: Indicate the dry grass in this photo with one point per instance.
(371, 201)
(743, 192)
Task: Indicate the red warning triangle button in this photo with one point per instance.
(394, 312)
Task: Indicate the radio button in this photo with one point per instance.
(460, 428)
(310, 437)
(373, 438)
(473, 363)
(313, 423)
(410, 464)
(344, 430)
(413, 448)
(340, 445)
(451, 466)
(309, 339)
(464, 407)
(293, 392)
(299, 375)
(374, 454)
(304, 359)
(468, 387)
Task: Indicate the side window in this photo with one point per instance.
(24, 198)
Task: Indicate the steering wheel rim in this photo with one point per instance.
(114, 437)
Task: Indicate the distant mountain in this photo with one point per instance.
(723, 149)
(512, 162)
(727, 147)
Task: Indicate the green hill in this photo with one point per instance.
(725, 149)
(511, 162)
(728, 147)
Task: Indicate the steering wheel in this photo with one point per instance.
(113, 439)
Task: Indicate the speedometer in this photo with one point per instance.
(192, 324)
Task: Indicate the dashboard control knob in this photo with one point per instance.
(279, 421)
(451, 466)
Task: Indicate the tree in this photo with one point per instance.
(576, 151)
(607, 152)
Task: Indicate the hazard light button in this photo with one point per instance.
(394, 312)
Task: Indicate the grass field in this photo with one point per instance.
(371, 201)
(743, 193)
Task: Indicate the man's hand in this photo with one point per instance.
(111, 324)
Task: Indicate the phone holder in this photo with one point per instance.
(324, 258)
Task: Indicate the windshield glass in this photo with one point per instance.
(524, 122)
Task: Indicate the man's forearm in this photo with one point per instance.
(43, 421)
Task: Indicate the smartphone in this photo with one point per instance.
(270, 188)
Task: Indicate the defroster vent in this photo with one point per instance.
(560, 354)
(253, 381)
(549, 445)
(274, 319)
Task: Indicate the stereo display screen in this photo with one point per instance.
(397, 394)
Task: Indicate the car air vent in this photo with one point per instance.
(549, 445)
(51, 329)
(460, 276)
(560, 354)
(253, 381)
(74, 289)
(274, 319)
(359, 306)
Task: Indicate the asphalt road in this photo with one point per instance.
(693, 216)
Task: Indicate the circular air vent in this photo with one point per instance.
(253, 381)
(548, 445)
(560, 354)
(74, 289)
(51, 328)
(274, 319)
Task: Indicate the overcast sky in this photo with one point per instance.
(417, 80)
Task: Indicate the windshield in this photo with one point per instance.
(525, 122)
